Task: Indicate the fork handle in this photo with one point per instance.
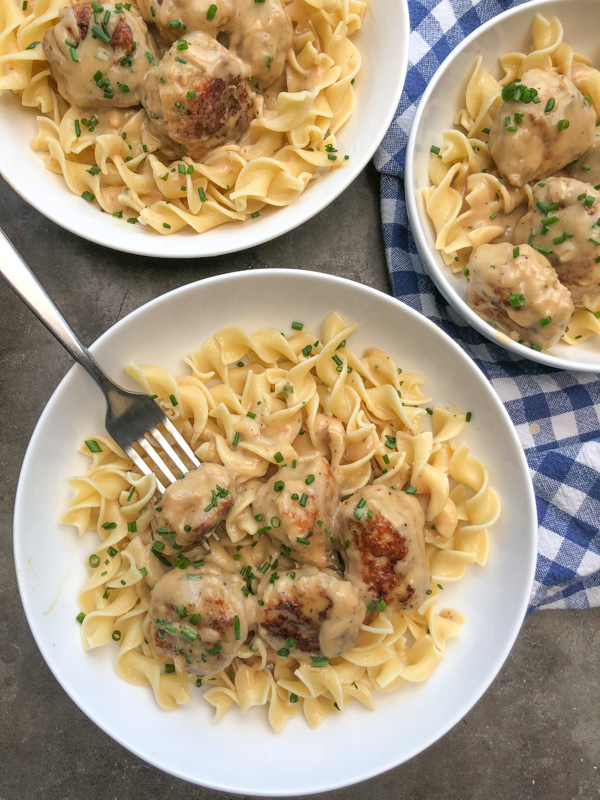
(23, 282)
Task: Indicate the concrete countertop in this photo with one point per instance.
(534, 735)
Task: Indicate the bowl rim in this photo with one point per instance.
(146, 245)
(530, 525)
(436, 271)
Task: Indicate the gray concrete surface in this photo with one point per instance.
(533, 736)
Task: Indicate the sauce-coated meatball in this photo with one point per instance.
(516, 290)
(198, 97)
(99, 59)
(200, 618)
(297, 506)
(173, 18)
(192, 507)
(564, 220)
(320, 612)
(261, 35)
(382, 541)
(531, 139)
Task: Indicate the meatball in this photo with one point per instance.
(173, 18)
(516, 289)
(261, 35)
(543, 125)
(99, 58)
(564, 222)
(382, 541)
(320, 612)
(192, 507)
(198, 97)
(199, 617)
(296, 507)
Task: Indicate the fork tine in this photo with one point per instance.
(151, 452)
(181, 441)
(140, 463)
(168, 449)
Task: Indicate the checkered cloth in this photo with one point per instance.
(564, 457)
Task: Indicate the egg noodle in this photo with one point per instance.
(286, 148)
(464, 190)
(290, 385)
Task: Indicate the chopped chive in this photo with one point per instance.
(108, 526)
(293, 697)
(188, 633)
(80, 617)
(386, 458)
(302, 540)
(173, 399)
(181, 61)
(283, 652)
(94, 561)
(309, 479)
(166, 225)
(319, 661)
(297, 326)
(132, 527)
(434, 149)
(116, 636)
(278, 457)
(337, 360)
(88, 196)
(546, 321)
(73, 53)
(112, 551)
(279, 486)
(31, 46)
(93, 446)
(212, 10)
(517, 300)
(251, 414)
(563, 124)
(361, 503)
(201, 195)
(411, 490)
(236, 624)
(182, 44)
(469, 416)
(236, 438)
(549, 221)
(303, 499)
(550, 104)
(169, 669)
(516, 252)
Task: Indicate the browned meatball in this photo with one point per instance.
(192, 507)
(382, 541)
(199, 617)
(296, 507)
(99, 55)
(198, 97)
(517, 291)
(564, 222)
(544, 124)
(310, 612)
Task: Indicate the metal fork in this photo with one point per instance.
(131, 417)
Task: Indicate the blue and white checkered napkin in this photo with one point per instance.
(564, 457)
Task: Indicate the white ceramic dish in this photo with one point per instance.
(241, 753)
(383, 44)
(507, 32)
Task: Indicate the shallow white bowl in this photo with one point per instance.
(507, 32)
(241, 753)
(383, 44)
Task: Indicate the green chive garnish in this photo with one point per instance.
(93, 446)
(297, 326)
(212, 10)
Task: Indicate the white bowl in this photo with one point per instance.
(507, 32)
(383, 45)
(241, 753)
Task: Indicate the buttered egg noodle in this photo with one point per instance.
(265, 408)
